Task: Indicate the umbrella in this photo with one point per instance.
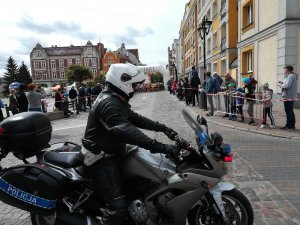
(14, 85)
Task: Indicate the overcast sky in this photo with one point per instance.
(149, 26)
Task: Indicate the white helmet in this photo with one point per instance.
(124, 76)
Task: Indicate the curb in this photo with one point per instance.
(253, 131)
(248, 129)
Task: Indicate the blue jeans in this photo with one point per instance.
(35, 110)
(290, 115)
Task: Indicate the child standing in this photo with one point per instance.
(267, 96)
(240, 103)
(232, 101)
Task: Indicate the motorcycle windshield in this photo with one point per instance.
(190, 118)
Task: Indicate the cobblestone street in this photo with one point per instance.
(265, 169)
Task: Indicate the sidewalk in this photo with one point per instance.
(278, 113)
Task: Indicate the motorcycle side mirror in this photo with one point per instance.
(201, 120)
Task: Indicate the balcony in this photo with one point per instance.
(223, 9)
(223, 44)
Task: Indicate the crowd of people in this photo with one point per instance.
(19, 101)
(79, 97)
(150, 87)
(235, 97)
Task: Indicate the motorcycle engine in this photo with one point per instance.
(138, 211)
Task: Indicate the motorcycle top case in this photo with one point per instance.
(25, 134)
(32, 188)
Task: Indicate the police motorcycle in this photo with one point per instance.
(175, 189)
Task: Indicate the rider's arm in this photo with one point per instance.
(111, 115)
(145, 123)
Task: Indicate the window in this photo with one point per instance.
(249, 61)
(215, 40)
(43, 64)
(86, 62)
(44, 74)
(215, 9)
(248, 16)
(78, 61)
(36, 64)
(37, 75)
(38, 54)
(110, 63)
(54, 75)
(94, 63)
(62, 74)
(89, 50)
(69, 62)
(53, 64)
(94, 72)
(61, 63)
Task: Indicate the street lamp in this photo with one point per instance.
(203, 30)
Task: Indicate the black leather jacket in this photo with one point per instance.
(112, 124)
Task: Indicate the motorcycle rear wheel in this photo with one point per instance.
(237, 207)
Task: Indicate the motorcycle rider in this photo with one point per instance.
(111, 125)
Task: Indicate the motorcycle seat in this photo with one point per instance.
(64, 159)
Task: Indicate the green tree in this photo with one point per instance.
(24, 75)
(156, 77)
(99, 79)
(11, 74)
(78, 73)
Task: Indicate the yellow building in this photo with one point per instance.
(269, 38)
(189, 38)
(221, 42)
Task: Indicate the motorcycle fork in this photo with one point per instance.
(217, 203)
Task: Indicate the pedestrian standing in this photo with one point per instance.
(228, 80)
(232, 101)
(174, 87)
(289, 93)
(250, 98)
(240, 103)
(34, 98)
(217, 88)
(22, 99)
(209, 89)
(82, 101)
(267, 96)
(13, 104)
(195, 82)
(73, 97)
(1, 107)
(187, 91)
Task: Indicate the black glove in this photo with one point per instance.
(171, 150)
(170, 133)
(158, 147)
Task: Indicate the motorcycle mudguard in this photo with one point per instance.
(216, 192)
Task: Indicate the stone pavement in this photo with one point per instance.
(265, 168)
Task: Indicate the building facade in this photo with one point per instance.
(268, 39)
(121, 55)
(49, 65)
(188, 36)
(221, 41)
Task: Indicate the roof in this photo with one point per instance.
(71, 50)
(130, 54)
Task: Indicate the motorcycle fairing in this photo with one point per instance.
(140, 162)
(191, 186)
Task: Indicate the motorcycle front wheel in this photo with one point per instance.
(238, 210)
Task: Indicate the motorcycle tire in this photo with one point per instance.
(230, 199)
